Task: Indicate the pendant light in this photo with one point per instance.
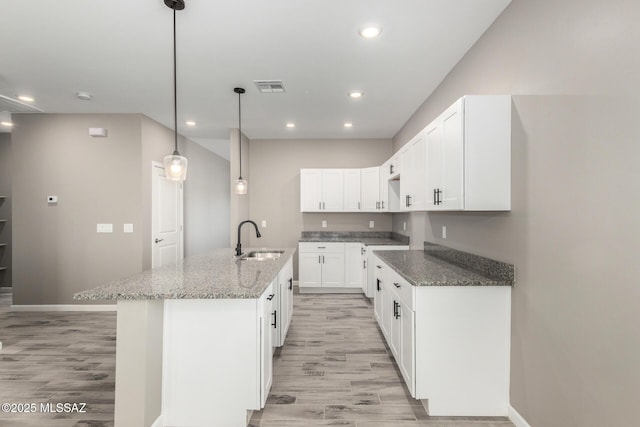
(175, 165)
(241, 184)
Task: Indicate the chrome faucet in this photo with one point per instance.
(239, 246)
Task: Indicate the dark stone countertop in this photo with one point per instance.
(440, 266)
(368, 238)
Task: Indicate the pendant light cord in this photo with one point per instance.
(175, 89)
(240, 132)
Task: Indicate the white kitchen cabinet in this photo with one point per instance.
(369, 286)
(469, 155)
(451, 343)
(283, 304)
(379, 300)
(353, 265)
(321, 265)
(370, 178)
(413, 174)
(352, 190)
(321, 190)
(266, 351)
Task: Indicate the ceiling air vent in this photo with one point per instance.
(14, 106)
(270, 86)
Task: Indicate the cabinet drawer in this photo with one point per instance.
(321, 247)
(404, 289)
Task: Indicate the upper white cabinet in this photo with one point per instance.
(321, 190)
(352, 201)
(370, 191)
(469, 155)
(413, 159)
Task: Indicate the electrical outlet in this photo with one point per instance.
(104, 228)
(444, 231)
(404, 226)
(127, 228)
(372, 224)
(264, 223)
(324, 223)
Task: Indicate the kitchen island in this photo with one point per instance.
(194, 339)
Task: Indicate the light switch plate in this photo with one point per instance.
(104, 228)
(128, 228)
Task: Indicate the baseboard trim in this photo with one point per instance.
(158, 422)
(516, 418)
(65, 307)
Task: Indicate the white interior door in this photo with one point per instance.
(166, 218)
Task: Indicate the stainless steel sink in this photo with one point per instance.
(262, 255)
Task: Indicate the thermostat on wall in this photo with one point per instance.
(98, 132)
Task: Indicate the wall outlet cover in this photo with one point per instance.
(372, 224)
(324, 223)
(128, 228)
(264, 223)
(444, 231)
(104, 228)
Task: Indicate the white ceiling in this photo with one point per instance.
(121, 53)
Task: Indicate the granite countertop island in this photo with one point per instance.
(441, 266)
(212, 275)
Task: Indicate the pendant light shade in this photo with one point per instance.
(240, 185)
(175, 165)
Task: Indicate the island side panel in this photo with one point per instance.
(211, 362)
(138, 399)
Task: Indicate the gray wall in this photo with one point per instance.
(99, 180)
(239, 204)
(274, 189)
(206, 201)
(572, 232)
(5, 209)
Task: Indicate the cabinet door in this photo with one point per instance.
(266, 352)
(370, 179)
(310, 269)
(333, 190)
(407, 350)
(333, 270)
(433, 136)
(384, 192)
(419, 173)
(285, 277)
(452, 157)
(353, 265)
(378, 299)
(310, 190)
(352, 190)
(406, 178)
(396, 326)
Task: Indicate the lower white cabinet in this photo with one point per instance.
(353, 265)
(266, 351)
(451, 343)
(282, 304)
(321, 265)
(369, 284)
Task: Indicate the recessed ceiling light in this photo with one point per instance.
(370, 31)
(291, 125)
(356, 94)
(190, 123)
(25, 98)
(348, 125)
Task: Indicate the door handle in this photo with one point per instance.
(291, 284)
(275, 319)
(159, 240)
(397, 285)
(270, 297)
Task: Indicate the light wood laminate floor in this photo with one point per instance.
(334, 370)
